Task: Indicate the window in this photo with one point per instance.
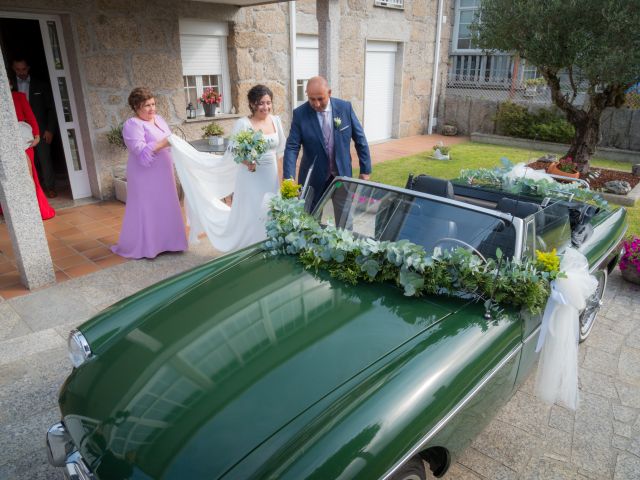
(203, 46)
(306, 64)
(390, 3)
(466, 12)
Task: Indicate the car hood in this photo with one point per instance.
(212, 372)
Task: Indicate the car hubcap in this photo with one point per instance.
(589, 314)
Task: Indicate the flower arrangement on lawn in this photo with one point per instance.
(444, 150)
(565, 164)
(210, 96)
(630, 260)
(497, 282)
(248, 146)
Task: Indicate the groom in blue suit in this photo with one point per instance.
(324, 128)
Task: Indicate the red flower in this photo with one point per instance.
(210, 96)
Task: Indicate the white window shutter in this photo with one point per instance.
(306, 56)
(201, 55)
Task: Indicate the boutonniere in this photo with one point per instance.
(337, 121)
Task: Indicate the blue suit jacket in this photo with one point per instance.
(306, 133)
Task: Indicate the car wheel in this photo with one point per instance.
(589, 314)
(413, 469)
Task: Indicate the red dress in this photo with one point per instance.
(25, 114)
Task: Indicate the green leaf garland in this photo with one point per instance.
(291, 231)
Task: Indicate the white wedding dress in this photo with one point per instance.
(206, 179)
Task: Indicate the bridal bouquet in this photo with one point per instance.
(248, 146)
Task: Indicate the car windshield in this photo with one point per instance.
(376, 212)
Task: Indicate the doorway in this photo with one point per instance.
(38, 40)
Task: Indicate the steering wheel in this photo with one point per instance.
(461, 242)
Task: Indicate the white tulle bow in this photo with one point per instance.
(557, 376)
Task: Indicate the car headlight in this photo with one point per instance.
(79, 350)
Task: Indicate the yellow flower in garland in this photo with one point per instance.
(290, 188)
(548, 261)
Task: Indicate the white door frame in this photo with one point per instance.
(59, 74)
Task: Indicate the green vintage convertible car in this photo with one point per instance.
(251, 366)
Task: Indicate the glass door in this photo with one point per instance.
(66, 110)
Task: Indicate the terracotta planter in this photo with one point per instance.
(630, 274)
(554, 170)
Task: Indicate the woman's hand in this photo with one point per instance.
(164, 143)
(250, 166)
(36, 141)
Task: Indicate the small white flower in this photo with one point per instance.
(337, 121)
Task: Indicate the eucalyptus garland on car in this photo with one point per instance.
(499, 178)
(292, 231)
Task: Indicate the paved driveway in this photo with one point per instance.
(527, 439)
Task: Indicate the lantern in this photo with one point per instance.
(191, 112)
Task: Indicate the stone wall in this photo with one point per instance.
(619, 127)
(116, 45)
(259, 53)
(414, 28)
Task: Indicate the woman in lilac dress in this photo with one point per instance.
(152, 219)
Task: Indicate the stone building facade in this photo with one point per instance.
(115, 45)
(413, 29)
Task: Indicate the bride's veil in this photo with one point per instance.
(206, 179)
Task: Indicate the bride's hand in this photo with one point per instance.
(250, 166)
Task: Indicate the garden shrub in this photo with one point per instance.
(517, 121)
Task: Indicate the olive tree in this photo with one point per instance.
(593, 45)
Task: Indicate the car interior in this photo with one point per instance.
(374, 212)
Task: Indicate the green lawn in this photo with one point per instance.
(478, 155)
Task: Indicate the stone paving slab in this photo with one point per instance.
(526, 440)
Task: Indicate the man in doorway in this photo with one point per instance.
(39, 95)
(324, 127)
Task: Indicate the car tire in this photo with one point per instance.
(413, 469)
(589, 314)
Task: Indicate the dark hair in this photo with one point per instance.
(138, 96)
(255, 94)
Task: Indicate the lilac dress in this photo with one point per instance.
(152, 221)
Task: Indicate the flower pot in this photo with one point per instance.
(209, 109)
(216, 140)
(554, 170)
(120, 185)
(630, 274)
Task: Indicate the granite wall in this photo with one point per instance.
(116, 45)
(414, 28)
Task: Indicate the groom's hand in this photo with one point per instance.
(363, 176)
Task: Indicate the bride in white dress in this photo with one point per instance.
(206, 179)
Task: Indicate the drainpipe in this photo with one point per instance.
(292, 56)
(436, 65)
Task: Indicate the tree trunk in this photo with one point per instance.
(584, 143)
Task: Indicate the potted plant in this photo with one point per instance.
(564, 167)
(532, 85)
(114, 136)
(210, 99)
(441, 152)
(630, 260)
(213, 132)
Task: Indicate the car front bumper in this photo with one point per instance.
(62, 453)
